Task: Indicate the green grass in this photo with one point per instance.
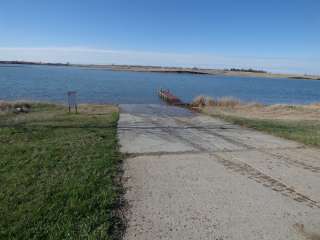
(58, 175)
(306, 132)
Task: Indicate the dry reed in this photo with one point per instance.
(227, 102)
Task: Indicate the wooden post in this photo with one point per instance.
(72, 101)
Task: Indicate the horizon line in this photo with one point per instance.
(100, 56)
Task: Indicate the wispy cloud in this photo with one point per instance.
(84, 55)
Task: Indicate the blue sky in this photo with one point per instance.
(280, 36)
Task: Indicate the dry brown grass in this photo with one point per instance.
(229, 106)
(228, 102)
(97, 109)
(94, 108)
(295, 122)
(5, 106)
(202, 101)
(199, 101)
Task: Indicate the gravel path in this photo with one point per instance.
(191, 176)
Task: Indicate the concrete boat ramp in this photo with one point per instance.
(190, 176)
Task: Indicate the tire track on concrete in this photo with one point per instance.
(171, 131)
(266, 180)
(227, 139)
(258, 176)
(296, 163)
(161, 153)
(289, 161)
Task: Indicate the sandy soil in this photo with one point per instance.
(191, 176)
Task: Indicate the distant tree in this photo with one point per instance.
(246, 70)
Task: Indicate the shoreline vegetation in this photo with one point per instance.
(158, 69)
(60, 172)
(299, 123)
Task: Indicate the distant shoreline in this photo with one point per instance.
(223, 72)
(159, 69)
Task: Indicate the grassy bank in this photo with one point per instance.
(294, 122)
(57, 173)
(306, 132)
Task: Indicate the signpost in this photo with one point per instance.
(72, 101)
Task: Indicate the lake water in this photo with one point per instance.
(49, 83)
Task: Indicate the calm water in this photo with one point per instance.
(105, 86)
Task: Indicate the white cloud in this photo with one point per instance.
(83, 55)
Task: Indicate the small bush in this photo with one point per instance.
(16, 107)
(21, 105)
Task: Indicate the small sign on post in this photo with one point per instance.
(72, 101)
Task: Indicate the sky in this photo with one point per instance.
(273, 35)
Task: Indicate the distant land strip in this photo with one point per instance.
(138, 68)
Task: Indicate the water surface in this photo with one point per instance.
(50, 83)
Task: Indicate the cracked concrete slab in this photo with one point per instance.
(195, 177)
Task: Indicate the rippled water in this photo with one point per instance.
(48, 83)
